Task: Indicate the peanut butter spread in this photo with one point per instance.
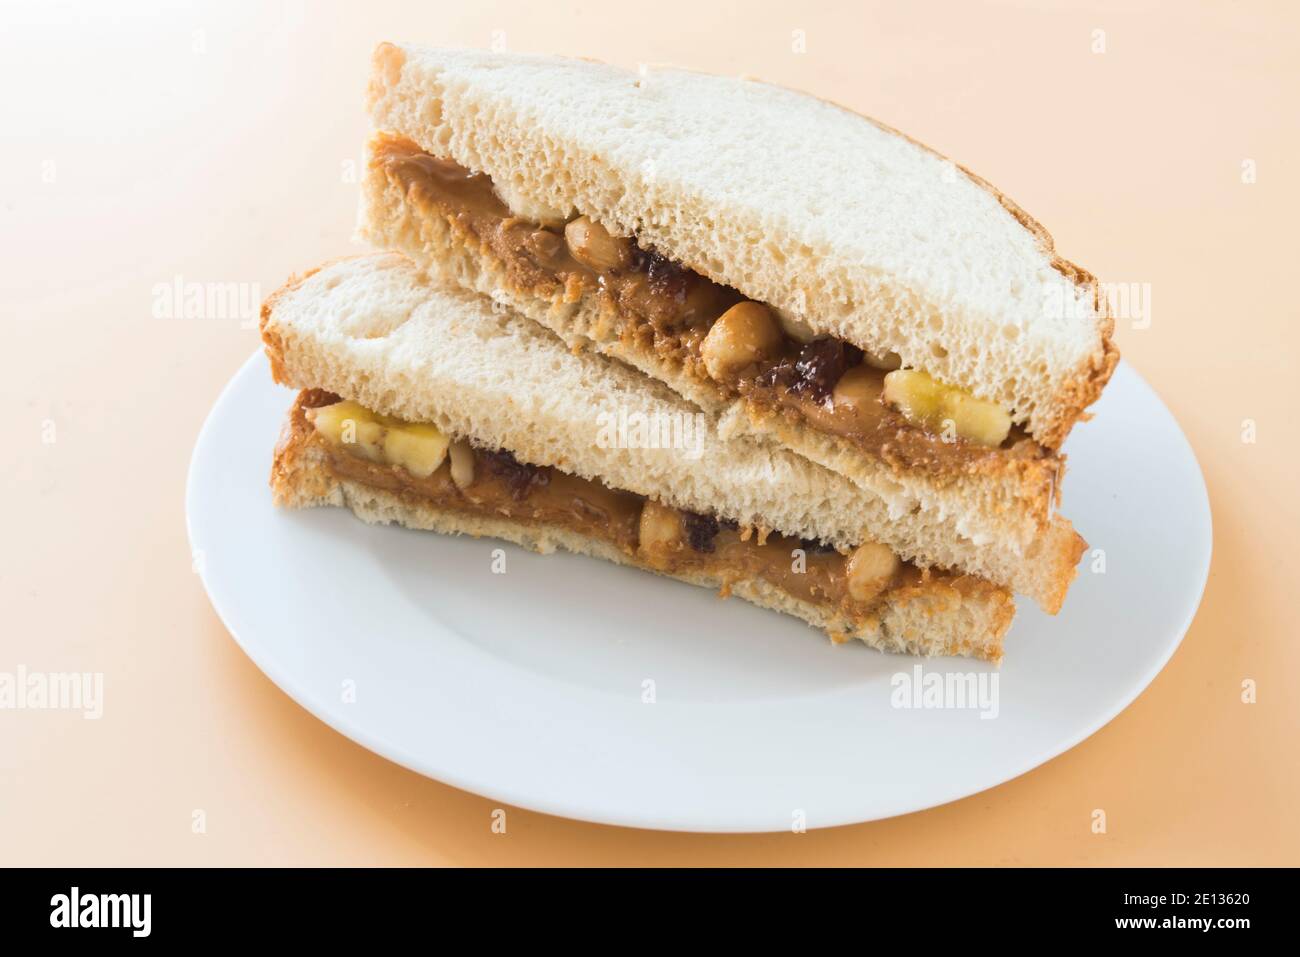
(734, 347)
(367, 448)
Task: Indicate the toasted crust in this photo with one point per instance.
(967, 617)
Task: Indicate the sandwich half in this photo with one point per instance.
(437, 409)
(803, 273)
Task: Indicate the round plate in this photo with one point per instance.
(575, 687)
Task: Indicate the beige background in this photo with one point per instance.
(212, 143)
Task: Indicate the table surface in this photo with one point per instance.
(146, 146)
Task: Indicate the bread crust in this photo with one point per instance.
(968, 617)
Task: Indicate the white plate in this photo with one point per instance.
(529, 687)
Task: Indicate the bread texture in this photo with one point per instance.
(926, 618)
(372, 329)
(1007, 499)
(838, 220)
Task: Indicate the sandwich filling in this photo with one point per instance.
(418, 462)
(728, 344)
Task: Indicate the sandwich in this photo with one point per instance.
(436, 408)
(815, 281)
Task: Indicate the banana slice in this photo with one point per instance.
(940, 408)
(351, 425)
(414, 446)
(418, 448)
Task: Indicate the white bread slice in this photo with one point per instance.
(1008, 499)
(842, 222)
(925, 618)
(371, 329)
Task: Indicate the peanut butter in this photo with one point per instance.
(496, 484)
